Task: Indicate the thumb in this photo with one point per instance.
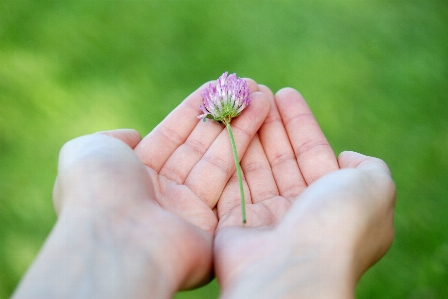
(349, 159)
(96, 167)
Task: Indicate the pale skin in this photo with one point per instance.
(144, 218)
(319, 221)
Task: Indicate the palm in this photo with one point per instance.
(190, 162)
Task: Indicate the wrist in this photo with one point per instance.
(158, 245)
(89, 255)
(294, 271)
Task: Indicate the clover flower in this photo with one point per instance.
(226, 100)
(222, 103)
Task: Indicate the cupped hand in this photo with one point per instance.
(314, 220)
(167, 184)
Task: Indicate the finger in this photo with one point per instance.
(375, 169)
(312, 150)
(253, 86)
(342, 203)
(155, 149)
(258, 173)
(279, 152)
(348, 159)
(209, 176)
(180, 163)
(128, 136)
(98, 168)
(378, 183)
(191, 151)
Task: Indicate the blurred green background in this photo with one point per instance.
(375, 73)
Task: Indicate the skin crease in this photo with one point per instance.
(140, 218)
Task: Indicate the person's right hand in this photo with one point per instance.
(316, 223)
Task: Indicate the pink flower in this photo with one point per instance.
(226, 100)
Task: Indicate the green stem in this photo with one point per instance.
(238, 171)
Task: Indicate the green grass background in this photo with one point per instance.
(375, 73)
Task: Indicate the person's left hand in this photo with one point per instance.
(165, 185)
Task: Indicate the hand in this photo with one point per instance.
(136, 216)
(317, 222)
(112, 239)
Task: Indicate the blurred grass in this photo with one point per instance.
(375, 74)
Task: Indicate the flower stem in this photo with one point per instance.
(238, 171)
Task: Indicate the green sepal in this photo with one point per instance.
(209, 116)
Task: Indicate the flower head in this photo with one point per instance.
(226, 100)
